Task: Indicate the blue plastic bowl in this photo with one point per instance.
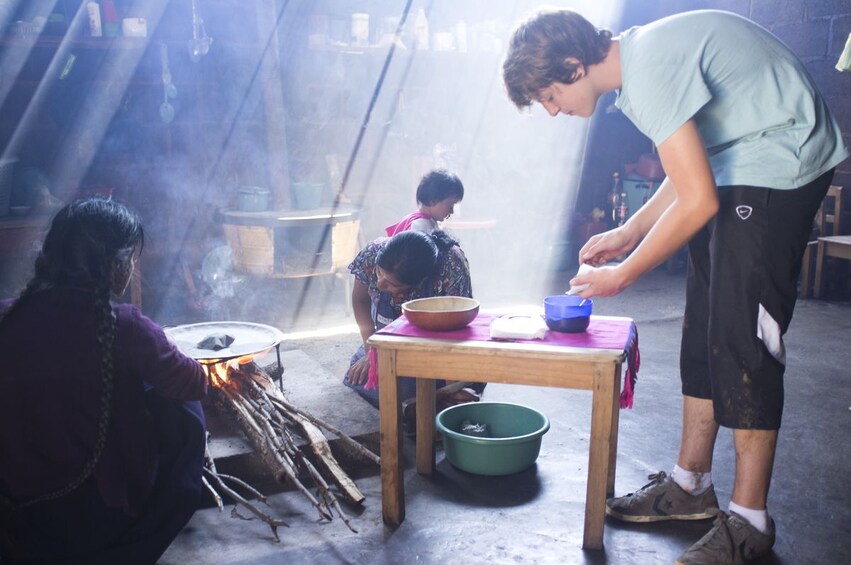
(563, 313)
(512, 442)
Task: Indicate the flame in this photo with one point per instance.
(244, 360)
(218, 371)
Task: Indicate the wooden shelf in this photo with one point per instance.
(95, 43)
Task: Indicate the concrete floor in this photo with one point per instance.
(536, 516)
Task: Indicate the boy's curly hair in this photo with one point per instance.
(539, 49)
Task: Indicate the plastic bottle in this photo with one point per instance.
(95, 27)
(110, 19)
(613, 201)
(421, 30)
(623, 209)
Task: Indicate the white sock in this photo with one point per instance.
(757, 518)
(693, 483)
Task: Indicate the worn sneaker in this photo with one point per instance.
(732, 540)
(662, 499)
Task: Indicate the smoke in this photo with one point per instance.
(283, 97)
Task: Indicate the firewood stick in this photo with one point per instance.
(320, 447)
(251, 490)
(210, 470)
(282, 454)
(284, 470)
(211, 465)
(316, 439)
(272, 438)
(326, 493)
(213, 493)
(234, 402)
(268, 442)
(348, 440)
(267, 417)
(274, 523)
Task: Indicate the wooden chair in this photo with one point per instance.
(829, 224)
(838, 246)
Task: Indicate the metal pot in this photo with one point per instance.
(254, 199)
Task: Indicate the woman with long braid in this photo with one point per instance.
(101, 431)
(388, 272)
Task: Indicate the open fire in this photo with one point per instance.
(271, 424)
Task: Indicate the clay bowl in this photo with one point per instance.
(441, 313)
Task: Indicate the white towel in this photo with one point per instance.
(584, 269)
(518, 327)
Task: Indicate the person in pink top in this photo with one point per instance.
(437, 194)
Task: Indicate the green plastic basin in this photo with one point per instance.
(514, 443)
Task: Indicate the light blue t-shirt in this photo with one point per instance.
(759, 113)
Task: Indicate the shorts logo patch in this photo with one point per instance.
(744, 212)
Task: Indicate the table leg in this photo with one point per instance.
(806, 264)
(599, 457)
(390, 419)
(425, 426)
(819, 266)
(613, 434)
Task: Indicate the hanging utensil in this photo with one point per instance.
(200, 43)
(169, 90)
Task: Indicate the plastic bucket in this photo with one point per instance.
(306, 195)
(253, 199)
(513, 442)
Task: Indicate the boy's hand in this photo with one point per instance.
(603, 281)
(604, 247)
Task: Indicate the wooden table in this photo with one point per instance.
(288, 244)
(538, 364)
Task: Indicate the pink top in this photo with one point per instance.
(405, 223)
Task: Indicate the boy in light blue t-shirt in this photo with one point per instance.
(749, 148)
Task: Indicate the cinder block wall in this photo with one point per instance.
(816, 30)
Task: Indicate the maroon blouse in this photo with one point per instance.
(50, 392)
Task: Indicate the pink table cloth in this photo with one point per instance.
(604, 332)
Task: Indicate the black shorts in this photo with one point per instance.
(740, 295)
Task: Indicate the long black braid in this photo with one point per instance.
(89, 241)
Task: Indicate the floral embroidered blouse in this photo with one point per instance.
(451, 278)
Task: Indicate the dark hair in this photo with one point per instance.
(539, 48)
(88, 242)
(413, 255)
(438, 185)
